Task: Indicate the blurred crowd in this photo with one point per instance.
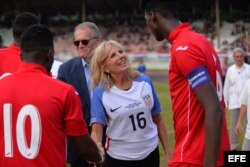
(137, 38)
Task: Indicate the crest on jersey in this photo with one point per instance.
(147, 100)
(182, 48)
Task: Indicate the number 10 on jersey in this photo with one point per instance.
(36, 131)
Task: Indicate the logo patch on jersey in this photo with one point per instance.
(113, 110)
(182, 48)
(147, 100)
(5, 75)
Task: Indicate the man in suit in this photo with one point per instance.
(77, 73)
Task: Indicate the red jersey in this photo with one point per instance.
(9, 59)
(193, 63)
(36, 112)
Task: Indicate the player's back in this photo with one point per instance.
(32, 110)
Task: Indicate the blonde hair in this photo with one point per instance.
(98, 61)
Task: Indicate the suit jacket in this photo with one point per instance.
(72, 72)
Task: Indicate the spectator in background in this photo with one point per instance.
(125, 102)
(77, 73)
(236, 77)
(38, 112)
(244, 113)
(141, 66)
(194, 77)
(10, 57)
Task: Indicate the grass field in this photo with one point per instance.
(162, 90)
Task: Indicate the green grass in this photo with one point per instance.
(162, 89)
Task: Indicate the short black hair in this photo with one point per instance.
(37, 38)
(167, 8)
(21, 22)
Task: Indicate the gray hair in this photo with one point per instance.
(238, 49)
(92, 26)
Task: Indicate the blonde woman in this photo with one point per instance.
(125, 101)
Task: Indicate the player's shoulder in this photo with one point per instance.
(5, 78)
(4, 51)
(190, 40)
(59, 85)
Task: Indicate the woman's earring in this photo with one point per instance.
(109, 80)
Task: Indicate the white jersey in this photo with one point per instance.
(131, 132)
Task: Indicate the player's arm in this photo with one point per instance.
(76, 129)
(208, 98)
(87, 148)
(162, 132)
(96, 135)
(242, 116)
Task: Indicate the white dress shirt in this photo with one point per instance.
(234, 83)
(55, 67)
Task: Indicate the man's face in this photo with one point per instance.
(238, 58)
(153, 25)
(84, 42)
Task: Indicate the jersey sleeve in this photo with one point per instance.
(73, 117)
(191, 65)
(97, 108)
(157, 106)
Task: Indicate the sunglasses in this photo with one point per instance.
(84, 42)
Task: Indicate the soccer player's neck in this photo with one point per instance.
(170, 25)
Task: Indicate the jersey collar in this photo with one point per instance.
(31, 67)
(176, 31)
